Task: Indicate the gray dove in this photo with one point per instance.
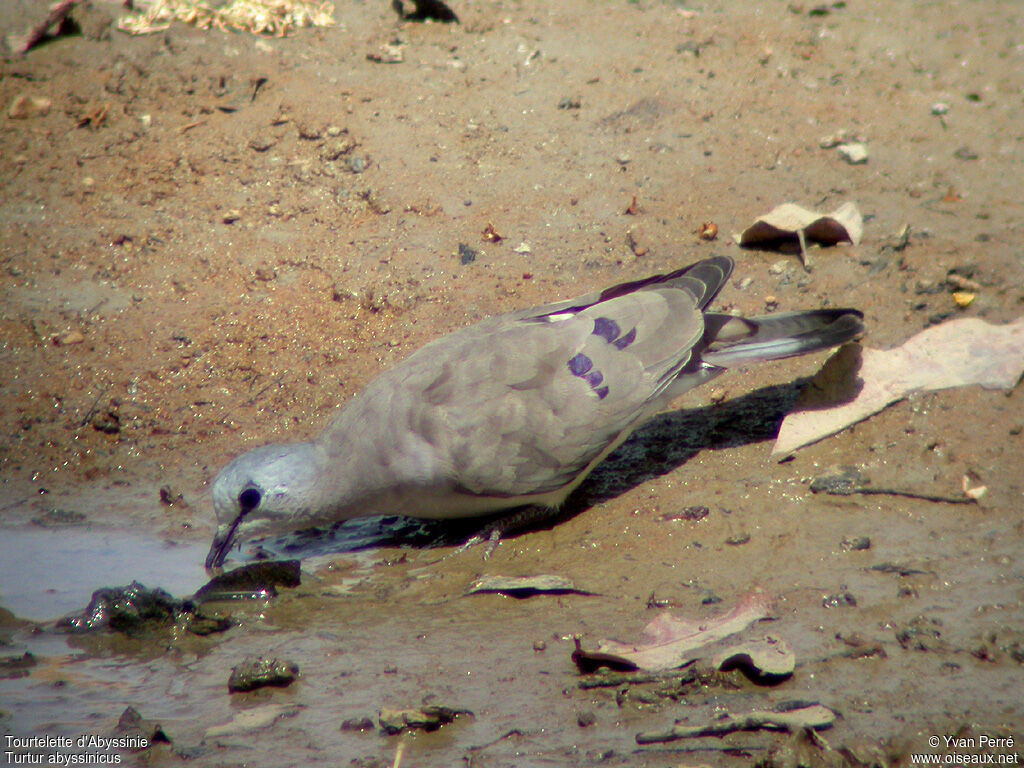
(515, 410)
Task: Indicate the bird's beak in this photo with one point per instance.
(222, 541)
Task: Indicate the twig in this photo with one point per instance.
(399, 752)
(92, 410)
(489, 744)
(813, 716)
(805, 260)
(898, 492)
(190, 126)
(276, 380)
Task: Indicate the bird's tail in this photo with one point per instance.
(731, 341)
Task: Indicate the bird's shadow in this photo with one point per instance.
(662, 445)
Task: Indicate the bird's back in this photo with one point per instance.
(524, 404)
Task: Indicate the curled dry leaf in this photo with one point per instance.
(270, 17)
(768, 658)
(490, 234)
(708, 231)
(788, 221)
(972, 493)
(670, 642)
(855, 383)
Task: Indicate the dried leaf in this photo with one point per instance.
(272, 17)
(786, 221)
(254, 719)
(769, 657)
(525, 586)
(490, 234)
(669, 642)
(854, 384)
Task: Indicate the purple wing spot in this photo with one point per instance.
(594, 379)
(626, 340)
(605, 328)
(580, 364)
(601, 392)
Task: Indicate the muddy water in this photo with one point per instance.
(392, 627)
(46, 574)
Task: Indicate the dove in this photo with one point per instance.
(515, 410)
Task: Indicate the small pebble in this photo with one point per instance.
(855, 153)
(71, 337)
(357, 724)
(466, 254)
(258, 673)
(858, 544)
(25, 106)
(842, 600)
(963, 299)
(585, 719)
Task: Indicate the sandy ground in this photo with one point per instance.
(211, 240)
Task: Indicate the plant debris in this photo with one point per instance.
(669, 641)
(850, 481)
(55, 17)
(525, 586)
(804, 715)
(490, 234)
(423, 10)
(429, 717)
(856, 383)
(769, 659)
(260, 17)
(790, 222)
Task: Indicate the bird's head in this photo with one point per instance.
(269, 491)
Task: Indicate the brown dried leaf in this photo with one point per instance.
(670, 642)
(851, 386)
(786, 221)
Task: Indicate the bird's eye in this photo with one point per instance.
(249, 499)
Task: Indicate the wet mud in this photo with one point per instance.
(211, 240)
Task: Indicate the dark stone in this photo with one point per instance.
(259, 673)
(13, 667)
(466, 254)
(253, 581)
(135, 610)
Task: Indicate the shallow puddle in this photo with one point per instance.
(49, 573)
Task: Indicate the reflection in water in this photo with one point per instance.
(47, 573)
